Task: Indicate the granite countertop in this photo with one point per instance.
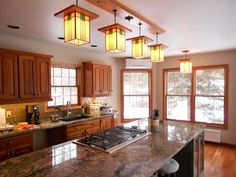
(139, 159)
(47, 124)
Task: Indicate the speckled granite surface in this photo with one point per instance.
(139, 159)
(47, 125)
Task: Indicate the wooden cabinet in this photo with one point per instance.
(34, 77)
(24, 77)
(79, 130)
(15, 146)
(8, 77)
(107, 123)
(96, 79)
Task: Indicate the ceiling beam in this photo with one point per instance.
(123, 11)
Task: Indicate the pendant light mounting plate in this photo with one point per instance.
(75, 8)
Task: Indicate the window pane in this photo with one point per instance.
(136, 106)
(72, 81)
(65, 72)
(74, 91)
(65, 81)
(210, 82)
(72, 73)
(135, 83)
(178, 107)
(209, 109)
(57, 72)
(178, 83)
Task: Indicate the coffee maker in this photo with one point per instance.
(33, 114)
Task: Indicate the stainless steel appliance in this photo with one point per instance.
(106, 110)
(33, 114)
(113, 139)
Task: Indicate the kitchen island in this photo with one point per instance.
(141, 158)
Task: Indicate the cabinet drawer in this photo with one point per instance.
(75, 135)
(83, 126)
(15, 141)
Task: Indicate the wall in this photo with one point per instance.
(214, 58)
(61, 53)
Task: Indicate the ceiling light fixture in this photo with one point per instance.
(13, 27)
(115, 36)
(185, 64)
(157, 51)
(76, 24)
(140, 45)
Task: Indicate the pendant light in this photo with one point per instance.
(185, 64)
(76, 24)
(157, 51)
(114, 36)
(140, 45)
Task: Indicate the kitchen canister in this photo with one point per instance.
(2, 117)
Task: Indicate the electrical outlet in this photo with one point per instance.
(8, 114)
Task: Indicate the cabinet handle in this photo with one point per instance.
(9, 142)
(38, 94)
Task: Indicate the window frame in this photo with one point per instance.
(78, 69)
(149, 71)
(194, 95)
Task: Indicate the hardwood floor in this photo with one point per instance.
(220, 160)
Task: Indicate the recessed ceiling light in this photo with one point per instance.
(93, 45)
(61, 38)
(13, 26)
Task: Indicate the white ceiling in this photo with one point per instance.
(197, 25)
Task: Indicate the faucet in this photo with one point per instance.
(68, 109)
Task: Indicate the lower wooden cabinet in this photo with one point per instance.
(107, 123)
(79, 130)
(15, 146)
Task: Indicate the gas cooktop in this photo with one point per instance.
(113, 139)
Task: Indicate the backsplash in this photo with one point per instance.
(97, 100)
(18, 112)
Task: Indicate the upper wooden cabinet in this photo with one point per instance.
(24, 77)
(8, 76)
(96, 79)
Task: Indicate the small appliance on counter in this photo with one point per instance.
(33, 114)
(104, 110)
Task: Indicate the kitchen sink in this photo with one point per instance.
(71, 118)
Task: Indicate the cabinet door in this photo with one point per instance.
(97, 79)
(27, 74)
(43, 89)
(105, 80)
(106, 123)
(8, 77)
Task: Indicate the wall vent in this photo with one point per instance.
(138, 64)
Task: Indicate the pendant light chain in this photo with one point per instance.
(114, 10)
(77, 2)
(157, 38)
(139, 28)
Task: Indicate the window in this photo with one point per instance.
(136, 94)
(63, 86)
(198, 97)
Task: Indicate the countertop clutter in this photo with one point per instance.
(141, 158)
(47, 125)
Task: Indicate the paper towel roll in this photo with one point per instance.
(2, 118)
